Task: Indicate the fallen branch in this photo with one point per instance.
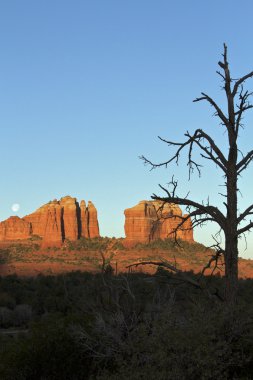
(183, 276)
(168, 266)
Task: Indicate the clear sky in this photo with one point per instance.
(87, 86)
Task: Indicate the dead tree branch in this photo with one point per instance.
(167, 265)
(237, 104)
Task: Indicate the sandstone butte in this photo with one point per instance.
(64, 219)
(54, 222)
(152, 220)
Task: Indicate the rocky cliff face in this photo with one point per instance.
(84, 217)
(70, 217)
(64, 219)
(54, 222)
(139, 222)
(53, 225)
(14, 228)
(92, 220)
(152, 220)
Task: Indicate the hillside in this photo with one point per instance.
(27, 258)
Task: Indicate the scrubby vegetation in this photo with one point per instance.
(16, 251)
(4, 256)
(95, 244)
(132, 326)
(171, 244)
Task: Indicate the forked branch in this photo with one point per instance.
(245, 161)
(213, 211)
(199, 138)
(245, 213)
(219, 112)
(245, 229)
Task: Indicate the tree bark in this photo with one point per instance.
(231, 271)
(231, 236)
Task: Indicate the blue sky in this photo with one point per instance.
(87, 86)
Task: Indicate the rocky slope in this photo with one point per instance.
(26, 258)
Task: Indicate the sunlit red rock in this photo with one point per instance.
(84, 216)
(53, 227)
(187, 231)
(93, 226)
(71, 221)
(54, 222)
(14, 228)
(139, 223)
(152, 220)
(38, 220)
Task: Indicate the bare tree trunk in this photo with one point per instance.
(231, 271)
(232, 224)
(231, 237)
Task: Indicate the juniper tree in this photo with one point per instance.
(232, 164)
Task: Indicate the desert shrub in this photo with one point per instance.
(118, 244)
(17, 250)
(171, 245)
(94, 244)
(35, 238)
(201, 343)
(6, 317)
(4, 256)
(7, 300)
(22, 315)
(48, 352)
(130, 326)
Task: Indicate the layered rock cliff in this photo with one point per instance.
(15, 228)
(66, 219)
(53, 229)
(70, 218)
(54, 222)
(92, 220)
(152, 220)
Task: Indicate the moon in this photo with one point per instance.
(15, 207)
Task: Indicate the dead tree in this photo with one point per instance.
(231, 222)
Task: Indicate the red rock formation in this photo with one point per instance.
(53, 227)
(14, 228)
(152, 220)
(84, 220)
(187, 231)
(139, 222)
(170, 216)
(38, 220)
(70, 217)
(54, 222)
(92, 221)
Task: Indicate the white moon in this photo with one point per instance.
(15, 207)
